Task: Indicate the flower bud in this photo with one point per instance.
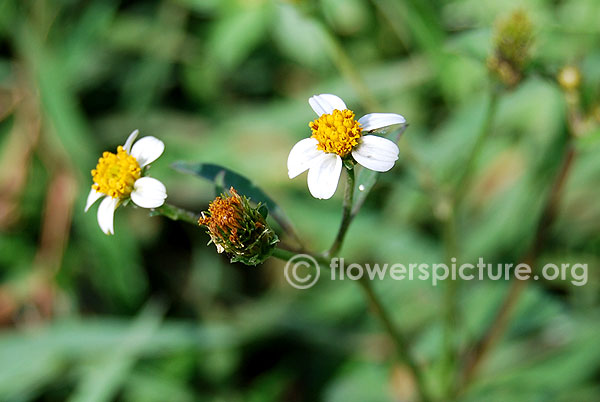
(569, 78)
(512, 44)
(238, 229)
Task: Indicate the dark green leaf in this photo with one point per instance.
(224, 178)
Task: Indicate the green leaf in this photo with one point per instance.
(41, 356)
(236, 35)
(104, 378)
(224, 178)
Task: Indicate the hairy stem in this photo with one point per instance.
(177, 214)
(452, 250)
(484, 131)
(378, 308)
(400, 342)
(498, 327)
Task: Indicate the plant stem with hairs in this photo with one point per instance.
(400, 342)
(177, 214)
(451, 246)
(380, 311)
(498, 327)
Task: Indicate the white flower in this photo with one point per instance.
(118, 177)
(336, 135)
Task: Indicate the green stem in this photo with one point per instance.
(348, 70)
(501, 320)
(282, 254)
(452, 288)
(380, 311)
(347, 215)
(484, 131)
(177, 214)
(286, 255)
(450, 308)
(399, 341)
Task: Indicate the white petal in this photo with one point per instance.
(302, 155)
(323, 176)
(147, 150)
(148, 193)
(373, 121)
(326, 103)
(106, 213)
(93, 196)
(130, 139)
(376, 153)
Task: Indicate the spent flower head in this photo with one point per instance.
(238, 229)
(512, 47)
(337, 136)
(119, 177)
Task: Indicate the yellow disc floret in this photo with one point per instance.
(337, 132)
(116, 174)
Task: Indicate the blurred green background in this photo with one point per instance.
(152, 314)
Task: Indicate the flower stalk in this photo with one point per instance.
(499, 324)
(451, 246)
(400, 342)
(176, 214)
(383, 315)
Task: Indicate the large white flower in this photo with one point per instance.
(336, 135)
(119, 177)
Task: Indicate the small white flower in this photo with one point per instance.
(118, 177)
(336, 135)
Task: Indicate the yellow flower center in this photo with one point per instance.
(337, 132)
(115, 174)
